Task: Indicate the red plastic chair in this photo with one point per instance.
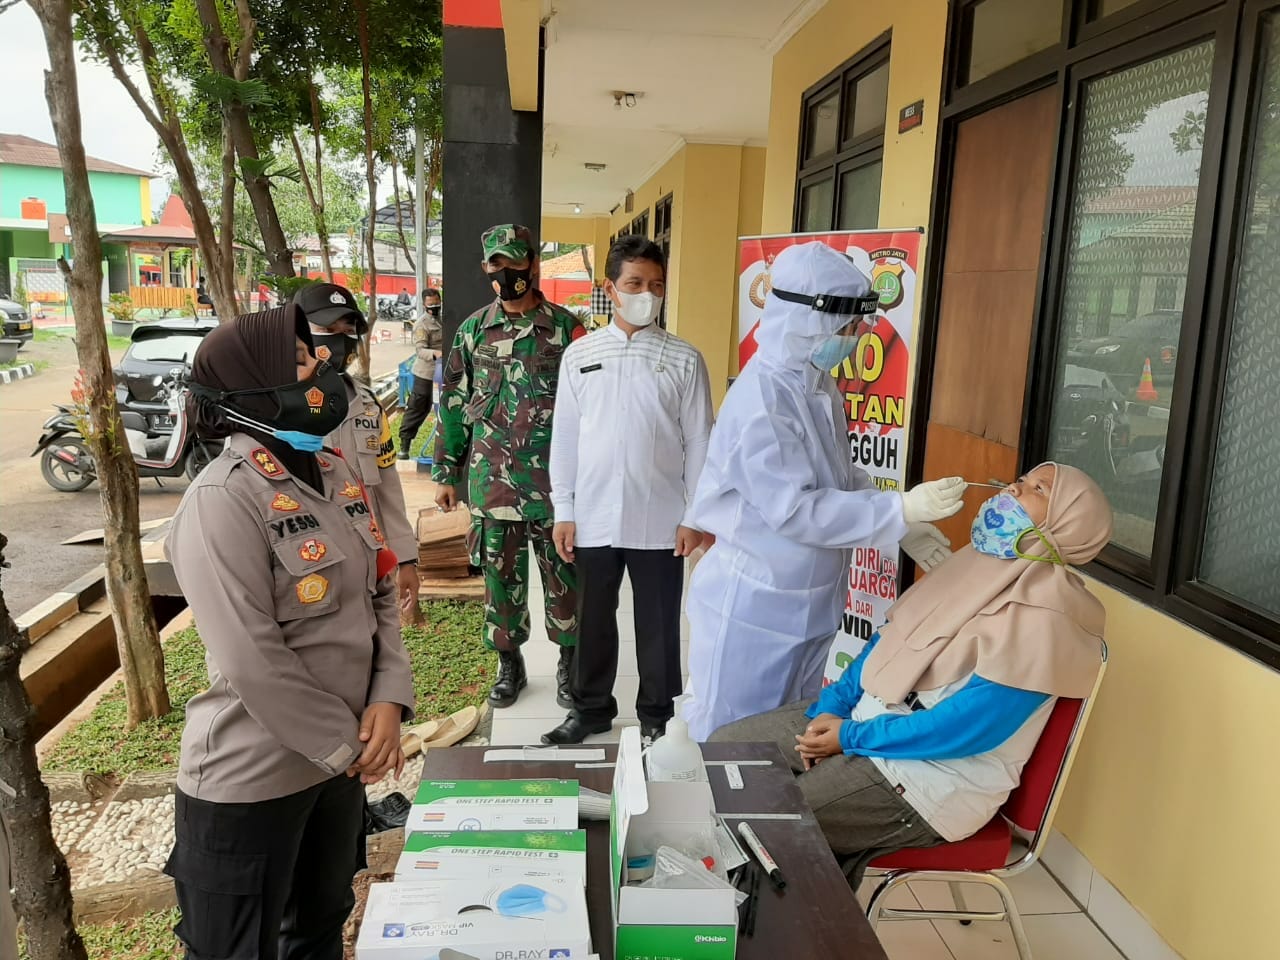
(984, 857)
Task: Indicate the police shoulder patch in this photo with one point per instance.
(351, 491)
(312, 550)
(265, 463)
(285, 503)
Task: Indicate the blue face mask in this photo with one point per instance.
(306, 442)
(1002, 522)
(526, 900)
(833, 351)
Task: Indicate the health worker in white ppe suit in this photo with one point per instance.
(781, 495)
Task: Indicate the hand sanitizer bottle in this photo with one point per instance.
(674, 756)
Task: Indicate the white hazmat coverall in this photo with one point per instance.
(786, 505)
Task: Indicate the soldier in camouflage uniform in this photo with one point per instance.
(498, 397)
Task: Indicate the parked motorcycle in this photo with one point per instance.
(67, 465)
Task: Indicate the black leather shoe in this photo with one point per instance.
(573, 730)
(648, 734)
(404, 454)
(512, 678)
(564, 695)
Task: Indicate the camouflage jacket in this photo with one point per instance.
(498, 397)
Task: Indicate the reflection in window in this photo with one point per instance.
(1132, 210)
(815, 206)
(866, 103)
(860, 198)
(823, 126)
(1242, 530)
(1104, 8)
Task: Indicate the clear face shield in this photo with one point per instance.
(835, 348)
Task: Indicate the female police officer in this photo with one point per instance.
(284, 568)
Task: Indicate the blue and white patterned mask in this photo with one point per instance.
(1001, 522)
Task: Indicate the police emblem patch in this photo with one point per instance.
(312, 588)
(315, 397)
(350, 491)
(285, 503)
(312, 550)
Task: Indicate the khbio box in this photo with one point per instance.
(495, 805)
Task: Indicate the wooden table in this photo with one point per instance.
(815, 916)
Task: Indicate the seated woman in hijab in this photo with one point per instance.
(926, 733)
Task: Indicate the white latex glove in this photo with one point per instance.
(933, 500)
(925, 544)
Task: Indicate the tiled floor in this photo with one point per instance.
(1054, 924)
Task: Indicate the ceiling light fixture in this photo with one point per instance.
(595, 167)
(623, 97)
(577, 208)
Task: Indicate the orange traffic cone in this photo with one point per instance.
(1146, 387)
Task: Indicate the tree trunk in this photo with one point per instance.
(404, 241)
(226, 236)
(141, 658)
(362, 22)
(42, 883)
(168, 128)
(314, 93)
(256, 184)
(317, 209)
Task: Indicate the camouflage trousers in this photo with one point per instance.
(499, 549)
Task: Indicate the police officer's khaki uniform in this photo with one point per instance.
(301, 637)
(365, 441)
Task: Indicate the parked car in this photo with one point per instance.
(156, 348)
(17, 324)
(1123, 354)
(1092, 422)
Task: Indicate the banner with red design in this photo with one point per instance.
(873, 383)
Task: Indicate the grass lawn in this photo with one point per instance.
(50, 334)
(425, 433)
(451, 669)
(147, 937)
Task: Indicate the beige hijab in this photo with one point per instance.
(1029, 624)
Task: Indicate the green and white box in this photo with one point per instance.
(529, 854)
(649, 922)
(477, 919)
(445, 805)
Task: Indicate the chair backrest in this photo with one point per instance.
(1033, 804)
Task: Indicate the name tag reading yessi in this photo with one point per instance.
(591, 368)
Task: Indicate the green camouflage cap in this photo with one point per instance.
(508, 240)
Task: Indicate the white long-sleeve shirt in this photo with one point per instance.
(632, 421)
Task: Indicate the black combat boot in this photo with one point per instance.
(512, 678)
(564, 696)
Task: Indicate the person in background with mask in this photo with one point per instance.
(498, 401)
(926, 733)
(633, 416)
(364, 436)
(780, 494)
(294, 595)
(427, 341)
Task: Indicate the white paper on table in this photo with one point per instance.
(543, 755)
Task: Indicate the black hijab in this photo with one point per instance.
(254, 351)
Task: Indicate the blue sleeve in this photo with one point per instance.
(976, 719)
(841, 697)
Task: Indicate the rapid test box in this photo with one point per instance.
(475, 919)
(494, 854)
(448, 805)
(654, 922)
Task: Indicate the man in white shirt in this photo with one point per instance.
(632, 420)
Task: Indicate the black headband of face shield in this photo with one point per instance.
(829, 303)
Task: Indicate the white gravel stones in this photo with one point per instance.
(131, 836)
(71, 821)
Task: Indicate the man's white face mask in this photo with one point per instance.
(639, 309)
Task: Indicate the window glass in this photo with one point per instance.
(866, 101)
(1104, 8)
(815, 206)
(1005, 31)
(823, 126)
(860, 198)
(1133, 205)
(1241, 552)
(164, 349)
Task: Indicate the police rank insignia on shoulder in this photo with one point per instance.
(266, 463)
(285, 503)
(370, 409)
(324, 464)
(312, 588)
(350, 491)
(312, 550)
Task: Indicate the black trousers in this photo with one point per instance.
(657, 581)
(269, 880)
(415, 414)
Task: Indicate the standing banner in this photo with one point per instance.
(873, 382)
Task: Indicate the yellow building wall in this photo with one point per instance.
(145, 189)
(568, 230)
(1173, 796)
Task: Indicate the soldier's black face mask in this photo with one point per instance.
(512, 282)
(338, 348)
(306, 411)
